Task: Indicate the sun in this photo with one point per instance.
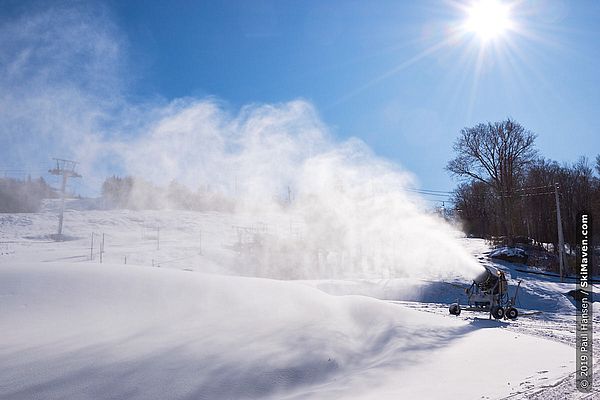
(488, 19)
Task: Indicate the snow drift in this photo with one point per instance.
(90, 331)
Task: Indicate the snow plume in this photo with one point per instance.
(315, 207)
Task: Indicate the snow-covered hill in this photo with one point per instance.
(75, 328)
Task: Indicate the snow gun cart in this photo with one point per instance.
(489, 292)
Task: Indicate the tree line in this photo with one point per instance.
(508, 190)
(23, 196)
(137, 193)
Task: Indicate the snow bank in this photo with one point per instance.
(513, 254)
(90, 331)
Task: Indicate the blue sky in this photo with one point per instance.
(385, 72)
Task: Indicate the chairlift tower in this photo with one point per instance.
(66, 169)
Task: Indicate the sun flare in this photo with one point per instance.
(488, 19)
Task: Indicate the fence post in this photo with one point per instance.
(102, 249)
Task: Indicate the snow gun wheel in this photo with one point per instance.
(512, 313)
(497, 312)
(454, 309)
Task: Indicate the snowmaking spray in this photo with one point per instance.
(345, 211)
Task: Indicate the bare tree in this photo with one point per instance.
(495, 154)
(539, 208)
(475, 202)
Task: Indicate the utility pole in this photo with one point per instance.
(66, 169)
(561, 239)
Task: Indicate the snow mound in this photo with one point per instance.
(513, 254)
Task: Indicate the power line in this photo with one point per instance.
(22, 170)
(440, 200)
(527, 194)
(428, 191)
(430, 194)
(535, 187)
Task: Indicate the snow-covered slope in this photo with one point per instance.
(285, 244)
(113, 331)
(74, 328)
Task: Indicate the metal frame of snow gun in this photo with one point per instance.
(489, 293)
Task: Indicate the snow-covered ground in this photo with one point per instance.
(174, 312)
